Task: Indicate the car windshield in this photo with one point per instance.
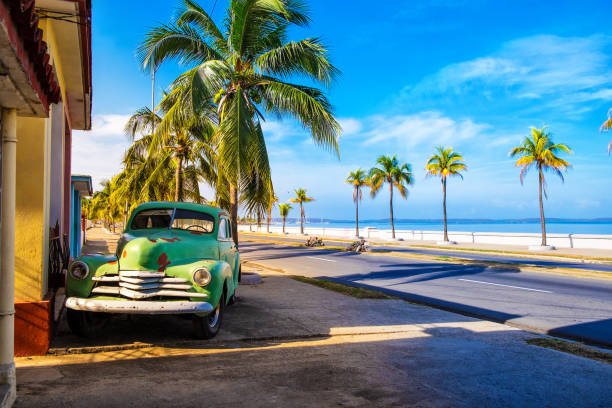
(193, 221)
(148, 219)
(183, 219)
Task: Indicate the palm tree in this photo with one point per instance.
(606, 126)
(273, 199)
(180, 141)
(301, 197)
(284, 212)
(104, 206)
(390, 172)
(540, 152)
(243, 68)
(444, 164)
(358, 179)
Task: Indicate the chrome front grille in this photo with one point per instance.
(144, 285)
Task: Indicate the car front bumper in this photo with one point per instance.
(137, 306)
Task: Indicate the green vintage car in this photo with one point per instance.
(173, 258)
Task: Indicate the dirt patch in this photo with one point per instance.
(353, 291)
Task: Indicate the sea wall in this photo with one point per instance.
(591, 241)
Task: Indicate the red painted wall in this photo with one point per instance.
(32, 328)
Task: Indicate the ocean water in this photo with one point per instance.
(591, 227)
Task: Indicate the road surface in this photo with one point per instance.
(576, 308)
(551, 263)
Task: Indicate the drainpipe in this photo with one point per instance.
(7, 258)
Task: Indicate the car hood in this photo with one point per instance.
(156, 250)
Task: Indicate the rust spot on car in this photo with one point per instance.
(112, 262)
(153, 240)
(162, 262)
(195, 232)
(171, 239)
(124, 254)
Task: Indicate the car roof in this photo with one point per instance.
(181, 205)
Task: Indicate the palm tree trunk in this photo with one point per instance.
(301, 218)
(444, 208)
(357, 213)
(178, 179)
(269, 218)
(283, 225)
(391, 210)
(234, 212)
(125, 214)
(542, 219)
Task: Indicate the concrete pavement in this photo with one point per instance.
(286, 343)
(566, 306)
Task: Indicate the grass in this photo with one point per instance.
(577, 349)
(498, 251)
(356, 292)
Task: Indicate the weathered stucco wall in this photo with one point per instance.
(29, 209)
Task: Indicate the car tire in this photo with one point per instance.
(86, 324)
(208, 326)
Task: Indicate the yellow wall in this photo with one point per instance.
(30, 228)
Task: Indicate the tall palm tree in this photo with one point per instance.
(301, 197)
(445, 163)
(395, 175)
(243, 68)
(273, 199)
(606, 126)
(358, 179)
(540, 152)
(180, 141)
(284, 212)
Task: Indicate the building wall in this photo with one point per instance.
(56, 167)
(30, 224)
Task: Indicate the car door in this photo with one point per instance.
(233, 251)
(227, 248)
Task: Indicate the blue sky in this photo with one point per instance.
(474, 75)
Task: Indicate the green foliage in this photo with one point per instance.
(606, 126)
(242, 68)
(284, 209)
(389, 171)
(539, 151)
(358, 179)
(445, 163)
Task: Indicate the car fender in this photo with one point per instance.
(98, 265)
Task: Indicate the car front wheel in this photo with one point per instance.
(86, 324)
(208, 326)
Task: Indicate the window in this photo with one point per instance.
(148, 219)
(229, 229)
(222, 229)
(193, 221)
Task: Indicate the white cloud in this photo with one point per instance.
(275, 131)
(350, 126)
(559, 71)
(423, 128)
(99, 152)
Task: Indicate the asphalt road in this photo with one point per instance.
(575, 308)
(605, 267)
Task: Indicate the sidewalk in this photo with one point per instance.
(286, 343)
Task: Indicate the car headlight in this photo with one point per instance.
(201, 277)
(79, 270)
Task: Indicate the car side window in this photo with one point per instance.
(222, 229)
(229, 229)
